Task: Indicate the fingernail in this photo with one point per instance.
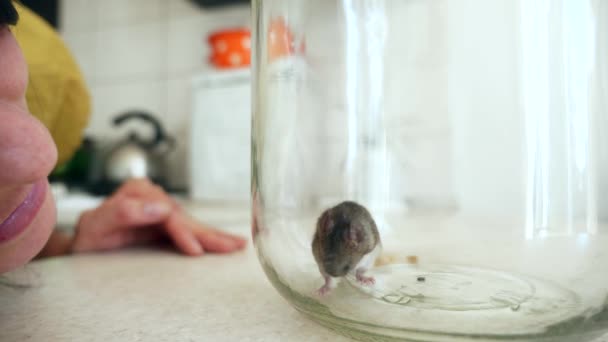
(156, 209)
(236, 244)
(241, 242)
(197, 249)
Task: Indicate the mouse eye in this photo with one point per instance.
(346, 268)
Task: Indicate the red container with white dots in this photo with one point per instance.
(230, 48)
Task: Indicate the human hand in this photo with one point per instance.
(140, 212)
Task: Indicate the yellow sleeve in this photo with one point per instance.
(57, 93)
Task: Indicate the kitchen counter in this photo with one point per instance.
(145, 294)
(152, 295)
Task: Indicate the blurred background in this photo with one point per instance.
(175, 73)
(174, 67)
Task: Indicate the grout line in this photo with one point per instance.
(147, 77)
(165, 55)
(95, 71)
(206, 16)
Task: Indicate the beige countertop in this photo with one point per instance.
(144, 295)
(152, 295)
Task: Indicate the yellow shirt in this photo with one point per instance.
(57, 93)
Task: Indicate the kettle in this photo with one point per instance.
(137, 157)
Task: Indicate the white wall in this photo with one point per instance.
(143, 54)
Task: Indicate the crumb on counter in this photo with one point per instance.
(412, 259)
(388, 259)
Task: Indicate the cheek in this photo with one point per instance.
(31, 241)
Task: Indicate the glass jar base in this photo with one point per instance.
(459, 288)
(437, 303)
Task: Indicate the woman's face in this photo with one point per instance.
(27, 156)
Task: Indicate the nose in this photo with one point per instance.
(27, 150)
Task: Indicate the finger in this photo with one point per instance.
(183, 238)
(217, 243)
(143, 188)
(124, 212)
(213, 240)
(238, 240)
(139, 188)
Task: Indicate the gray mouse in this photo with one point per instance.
(346, 241)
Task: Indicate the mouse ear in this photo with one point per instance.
(354, 235)
(326, 224)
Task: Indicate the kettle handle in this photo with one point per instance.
(159, 133)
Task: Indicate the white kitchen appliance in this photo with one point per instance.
(220, 136)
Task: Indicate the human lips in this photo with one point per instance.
(25, 213)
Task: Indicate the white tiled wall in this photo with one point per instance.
(143, 54)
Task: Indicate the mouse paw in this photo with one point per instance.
(367, 281)
(330, 283)
(323, 291)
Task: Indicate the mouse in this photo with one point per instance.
(346, 242)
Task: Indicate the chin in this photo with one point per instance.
(31, 241)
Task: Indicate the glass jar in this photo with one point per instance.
(434, 170)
